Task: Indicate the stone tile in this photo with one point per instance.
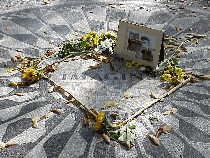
(27, 38)
(160, 18)
(32, 23)
(60, 29)
(94, 87)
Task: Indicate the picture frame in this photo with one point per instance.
(139, 44)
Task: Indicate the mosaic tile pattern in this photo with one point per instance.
(65, 135)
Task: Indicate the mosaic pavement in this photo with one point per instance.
(66, 135)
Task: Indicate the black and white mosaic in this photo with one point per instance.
(65, 135)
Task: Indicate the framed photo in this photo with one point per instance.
(138, 44)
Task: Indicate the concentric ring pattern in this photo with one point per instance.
(66, 135)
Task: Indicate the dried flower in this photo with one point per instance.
(30, 74)
(11, 69)
(99, 119)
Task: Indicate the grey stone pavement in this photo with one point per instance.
(66, 135)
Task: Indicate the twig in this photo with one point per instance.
(183, 43)
(72, 53)
(94, 115)
(152, 103)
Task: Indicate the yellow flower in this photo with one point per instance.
(30, 74)
(170, 68)
(96, 39)
(92, 39)
(109, 34)
(166, 72)
(91, 44)
(166, 77)
(181, 76)
(178, 71)
(129, 64)
(173, 79)
(138, 64)
(83, 38)
(11, 69)
(182, 73)
(99, 119)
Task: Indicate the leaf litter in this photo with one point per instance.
(96, 66)
(34, 121)
(58, 111)
(164, 129)
(155, 96)
(173, 110)
(48, 115)
(114, 115)
(128, 94)
(111, 103)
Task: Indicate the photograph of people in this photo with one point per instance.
(142, 44)
(144, 52)
(133, 41)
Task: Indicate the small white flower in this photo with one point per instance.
(110, 50)
(142, 68)
(98, 50)
(106, 43)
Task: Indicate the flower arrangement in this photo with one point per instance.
(101, 48)
(174, 74)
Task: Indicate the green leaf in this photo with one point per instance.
(84, 44)
(175, 61)
(113, 135)
(127, 137)
(124, 135)
(132, 127)
(122, 138)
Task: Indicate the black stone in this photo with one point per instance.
(192, 132)
(158, 19)
(56, 143)
(60, 29)
(32, 24)
(28, 38)
(16, 128)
